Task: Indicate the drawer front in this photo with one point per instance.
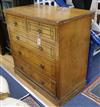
(47, 31)
(43, 65)
(31, 73)
(45, 49)
(16, 24)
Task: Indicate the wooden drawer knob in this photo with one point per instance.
(42, 66)
(15, 23)
(17, 37)
(42, 83)
(19, 53)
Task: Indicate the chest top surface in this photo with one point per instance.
(49, 14)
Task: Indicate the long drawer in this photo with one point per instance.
(46, 48)
(32, 74)
(43, 65)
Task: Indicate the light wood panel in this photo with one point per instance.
(74, 53)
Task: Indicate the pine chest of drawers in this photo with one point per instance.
(50, 48)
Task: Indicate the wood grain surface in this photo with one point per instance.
(50, 48)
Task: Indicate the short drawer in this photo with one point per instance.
(16, 24)
(47, 31)
(31, 72)
(46, 48)
(42, 64)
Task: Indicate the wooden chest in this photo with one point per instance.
(50, 48)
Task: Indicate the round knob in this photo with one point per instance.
(19, 53)
(17, 37)
(39, 30)
(15, 23)
(22, 68)
(42, 66)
